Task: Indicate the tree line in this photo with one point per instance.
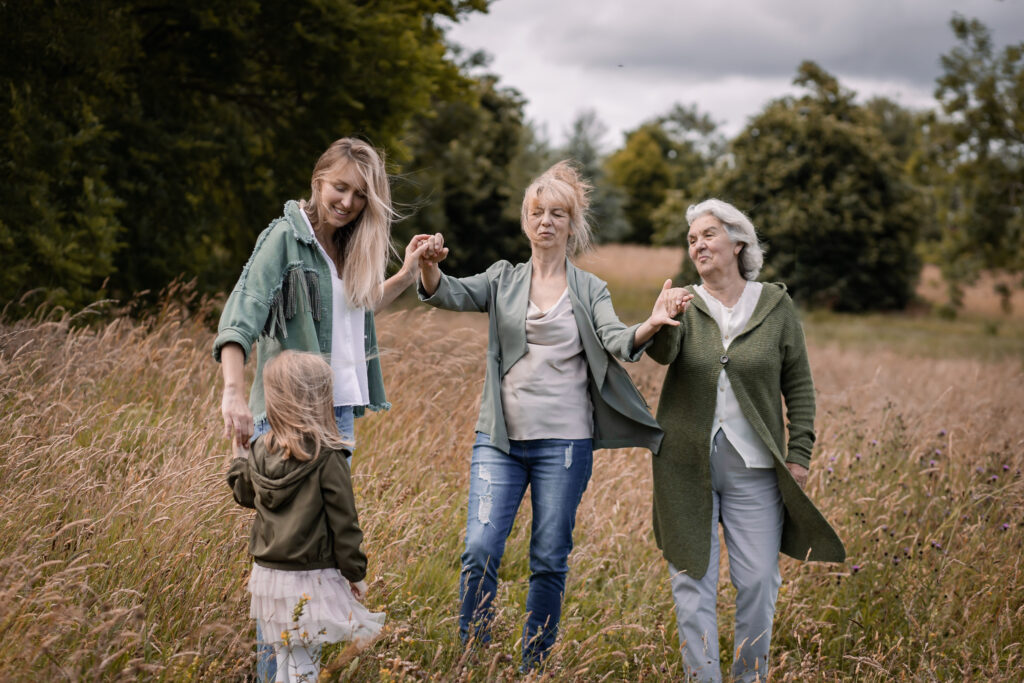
(143, 141)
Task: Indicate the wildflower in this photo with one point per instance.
(938, 451)
(942, 432)
(874, 442)
(857, 455)
(1006, 526)
(1006, 468)
(856, 568)
(931, 463)
(994, 477)
(830, 470)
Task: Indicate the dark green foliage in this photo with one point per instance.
(670, 152)
(825, 189)
(980, 173)
(143, 140)
(471, 160)
(606, 201)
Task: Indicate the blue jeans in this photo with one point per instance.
(266, 658)
(557, 472)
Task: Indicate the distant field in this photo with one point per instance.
(123, 557)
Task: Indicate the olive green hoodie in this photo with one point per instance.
(305, 511)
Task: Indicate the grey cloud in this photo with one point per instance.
(898, 40)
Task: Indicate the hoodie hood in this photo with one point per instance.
(276, 480)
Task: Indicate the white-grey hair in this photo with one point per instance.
(739, 229)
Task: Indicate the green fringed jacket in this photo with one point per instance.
(277, 300)
(766, 362)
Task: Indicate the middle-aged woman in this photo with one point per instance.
(553, 393)
(725, 458)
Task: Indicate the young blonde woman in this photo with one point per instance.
(553, 393)
(313, 282)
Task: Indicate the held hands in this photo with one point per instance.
(434, 251)
(671, 302)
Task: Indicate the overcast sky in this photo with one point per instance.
(630, 60)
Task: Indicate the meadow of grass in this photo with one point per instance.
(122, 556)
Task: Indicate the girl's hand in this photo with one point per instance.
(358, 590)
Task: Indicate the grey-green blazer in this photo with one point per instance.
(621, 416)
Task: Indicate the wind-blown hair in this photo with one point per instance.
(364, 244)
(563, 185)
(740, 230)
(300, 410)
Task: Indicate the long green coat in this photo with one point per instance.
(766, 362)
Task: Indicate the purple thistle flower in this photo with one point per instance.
(1006, 527)
(856, 568)
(942, 432)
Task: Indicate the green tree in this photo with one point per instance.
(669, 152)
(606, 201)
(470, 161)
(145, 140)
(839, 214)
(981, 141)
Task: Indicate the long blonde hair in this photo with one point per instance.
(299, 397)
(365, 243)
(564, 185)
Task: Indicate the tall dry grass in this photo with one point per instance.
(124, 558)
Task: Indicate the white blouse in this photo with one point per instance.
(728, 415)
(348, 350)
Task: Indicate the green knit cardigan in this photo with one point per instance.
(766, 362)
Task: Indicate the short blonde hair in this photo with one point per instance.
(299, 390)
(563, 184)
(740, 230)
(366, 248)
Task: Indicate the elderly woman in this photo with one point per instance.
(553, 393)
(726, 457)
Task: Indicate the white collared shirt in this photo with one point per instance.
(348, 350)
(728, 415)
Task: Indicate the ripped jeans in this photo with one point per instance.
(557, 472)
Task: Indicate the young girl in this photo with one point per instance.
(307, 576)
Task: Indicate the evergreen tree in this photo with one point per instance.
(145, 140)
(820, 181)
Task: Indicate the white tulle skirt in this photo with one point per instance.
(329, 612)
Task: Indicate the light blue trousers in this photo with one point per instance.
(748, 504)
